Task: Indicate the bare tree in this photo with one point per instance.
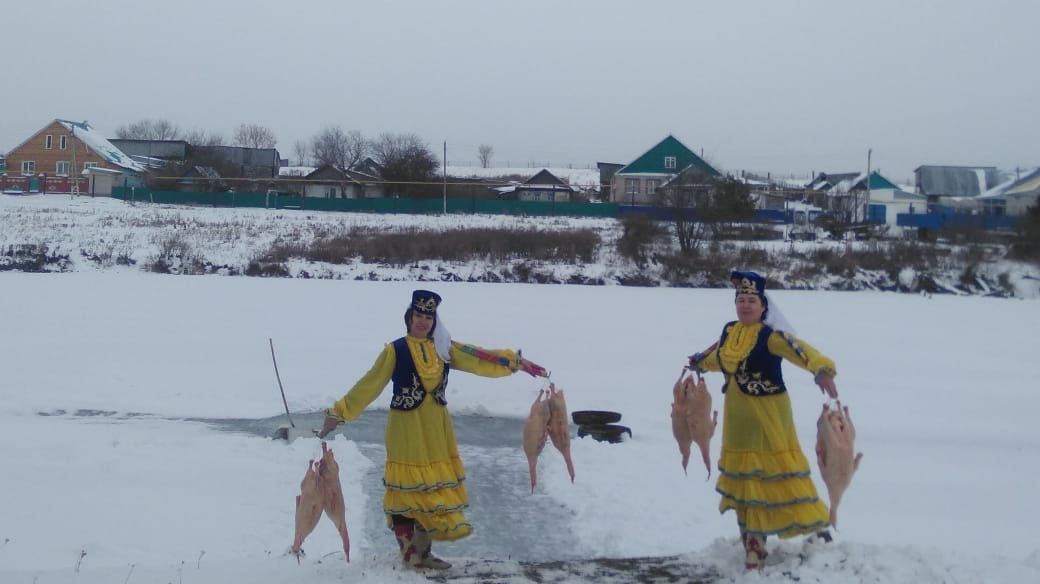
(329, 146)
(254, 136)
(702, 203)
(408, 161)
(357, 148)
(341, 149)
(485, 152)
(200, 137)
(149, 129)
(302, 151)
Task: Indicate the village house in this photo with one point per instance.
(543, 186)
(607, 170)
(331, 182)
(153, 153)
(68, 157)
(884, 200)
(937, 182)
(825, 182)
(1012, 198)
(636, 182)
(852, 197)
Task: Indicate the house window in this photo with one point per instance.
(669, 162)
(63, 142)
(87, 165)
(28, 167)
(651, 186)
(330, 193)
(62, 168)
(48, 142)
(631, 186)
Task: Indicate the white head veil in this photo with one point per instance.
(775, 317)
(442, 340)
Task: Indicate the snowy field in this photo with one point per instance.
(942, 390)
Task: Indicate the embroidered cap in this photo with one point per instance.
(425, 302)
(749, 283)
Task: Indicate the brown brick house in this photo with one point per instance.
(60, 153)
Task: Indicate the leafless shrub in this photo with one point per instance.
(176, 256)
(33, 257)
(460, 245)
(699, 267)
(889, 258)
(102, 258)
(751, 256)
(639, 235)
(265, 269)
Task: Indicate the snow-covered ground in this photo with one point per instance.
(940, 389)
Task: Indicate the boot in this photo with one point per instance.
(404, 532)
(755, 548)
(813, 543)
(424, 546)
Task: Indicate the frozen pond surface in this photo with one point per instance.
(502, 509)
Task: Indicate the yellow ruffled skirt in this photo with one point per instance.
(424, 476)
(764, 476)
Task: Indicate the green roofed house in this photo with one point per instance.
(636, 182)
(878, 200)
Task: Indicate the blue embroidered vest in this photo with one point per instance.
(408, 388)
(759, 373)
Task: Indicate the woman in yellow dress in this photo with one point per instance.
(763, 473)
(424, 476)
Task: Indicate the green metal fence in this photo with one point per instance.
(376, 205)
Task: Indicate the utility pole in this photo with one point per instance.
(866, 208)
(73, 178)
(444, 176)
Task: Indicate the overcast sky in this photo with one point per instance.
(762, 85)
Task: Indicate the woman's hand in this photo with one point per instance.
(530, 367)
(328, 425)
(826, 382)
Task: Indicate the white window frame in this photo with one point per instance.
(651, 185)
(63, 142)
(48, 142)
(89, 165)
(28, 167)
(669, 162)
(58, 168)
(631, 186)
